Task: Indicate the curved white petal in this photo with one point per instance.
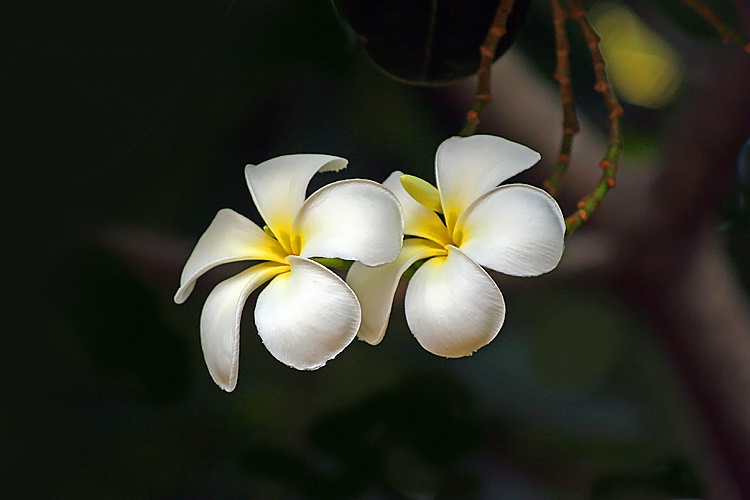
(307, 316)
(279, 185)
(353, 219)
(418, 219)
(376, 286)
(468, 167)
(515, 229)
(229, 238)
(220, 321)
(452, 305)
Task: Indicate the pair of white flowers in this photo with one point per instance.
(307, 314)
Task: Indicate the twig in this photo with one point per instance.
(588, 204)
(727, 33)
(562, 75)
(487, 52)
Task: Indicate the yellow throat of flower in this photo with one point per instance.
(428, 196)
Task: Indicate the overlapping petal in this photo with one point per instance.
(515, 229)
(356, 220)
(278, 187)
(220, 321)
(376, 286)
(229, 238)
(452, 305)
(418, 219)
(307, 316)
(468, 167)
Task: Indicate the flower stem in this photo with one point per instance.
(562, 75)
(727, 33)
(333, 263)
(487, 53)
(589, 203)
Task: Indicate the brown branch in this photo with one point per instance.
(570, 120)
(487, 55)
(589, 203)
(723, 29)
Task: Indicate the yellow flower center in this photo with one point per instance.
(428, 196)
(282, 246)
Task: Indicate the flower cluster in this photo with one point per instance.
(307, 314)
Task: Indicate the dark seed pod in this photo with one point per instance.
(428, 42)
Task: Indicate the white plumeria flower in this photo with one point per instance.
(307, 314)
(452, 305)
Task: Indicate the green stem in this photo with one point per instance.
(340, 264)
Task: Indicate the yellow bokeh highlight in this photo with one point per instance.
(642, 67)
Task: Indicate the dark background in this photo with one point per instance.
(126, 127)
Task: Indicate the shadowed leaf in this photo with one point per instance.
(428, 42)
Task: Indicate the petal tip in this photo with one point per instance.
(307, 368)
(183, 293)
(371, 336)
(336, 164)
(226, 387)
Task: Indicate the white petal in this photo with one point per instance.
(279, 186)
(220, 321)
(515, 229)
(376, 286)
(307, 316)
(418, 219)
(353, 219)
(229, 238)
(452, 305)
(468, 167)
